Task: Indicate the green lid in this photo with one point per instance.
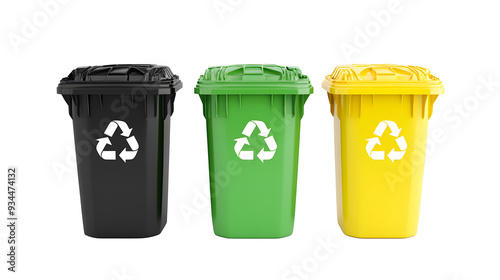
(253, 79)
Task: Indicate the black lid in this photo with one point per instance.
(120, 78)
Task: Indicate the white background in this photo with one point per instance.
(459, 231)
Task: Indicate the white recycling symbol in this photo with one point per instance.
(124, 154)
(264, 132)
(393, 154)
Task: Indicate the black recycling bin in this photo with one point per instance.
(121, 120)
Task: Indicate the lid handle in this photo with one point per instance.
(259, 72)
(384, 74)
(253, 70)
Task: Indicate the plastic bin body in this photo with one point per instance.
(378, 195)
(253, 198)
(125, 196)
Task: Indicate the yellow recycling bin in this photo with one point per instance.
(381, 113)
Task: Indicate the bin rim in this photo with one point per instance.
(253, 79)
(382, 79)
(122, 78)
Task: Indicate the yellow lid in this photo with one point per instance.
(382, 79)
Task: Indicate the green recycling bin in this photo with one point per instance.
(253, 114)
